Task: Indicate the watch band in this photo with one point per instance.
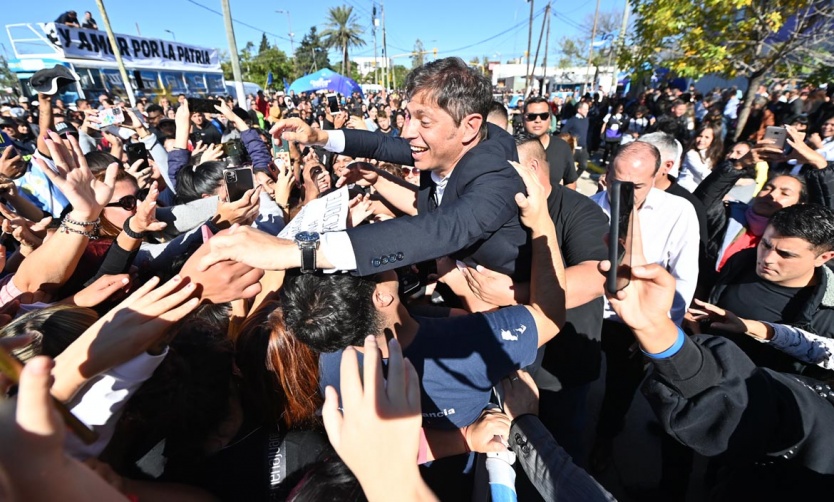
(308, 259)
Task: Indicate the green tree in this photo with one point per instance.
(574, 51)
(255, 67)
(739, 38)
(311, 54)
(8, 80)
(343, 32)
(417, 56)
(264, 43)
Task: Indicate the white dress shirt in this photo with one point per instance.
(336, 246)
(693, 170)
(671, 238)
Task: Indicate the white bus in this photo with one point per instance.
(155, 67)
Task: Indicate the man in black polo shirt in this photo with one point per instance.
(566, 366)
(784, 280)
(536, 116)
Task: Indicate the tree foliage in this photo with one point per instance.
(573, 51)
(343, 32)
(7, 77)
(747, 38)
(417, 57)
(311, 54)
(264, 43)
(255, 67)
(733, 38)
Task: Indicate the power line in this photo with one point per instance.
(238, 22)
(522, 23)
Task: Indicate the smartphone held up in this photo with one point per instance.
(620, 234)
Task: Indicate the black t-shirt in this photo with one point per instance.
(573, 357)
(209, 134)
(560, 158)
(751, 297)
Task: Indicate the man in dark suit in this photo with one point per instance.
(464, 206)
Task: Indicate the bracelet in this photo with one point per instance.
(130, 233)
(90, 235)
(95, 223)
(671, 351)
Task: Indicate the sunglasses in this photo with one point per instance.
(409, 170)
(128, 202)
(530, 117)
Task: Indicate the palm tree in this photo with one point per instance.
(342, 31)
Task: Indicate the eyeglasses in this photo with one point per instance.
(530, 117)
(411, 170)
(128, 202)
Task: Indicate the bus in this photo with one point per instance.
(155, 67)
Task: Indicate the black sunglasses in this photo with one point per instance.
(533, 116)
(128, 202)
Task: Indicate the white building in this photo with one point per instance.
(366, 64)
(514, 76)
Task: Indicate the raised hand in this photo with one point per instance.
(73, 177)
(718, 317)
(145, 218)
(533, 206)
(12, 165)
(361, 173)
(295, 129)
(379, 427)
(242, 212)
(143, 176)
(100, 290)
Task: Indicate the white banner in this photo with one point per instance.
(149, 52)
(327, 214)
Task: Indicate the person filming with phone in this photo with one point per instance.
(671, 230)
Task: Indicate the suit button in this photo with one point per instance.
(385, 260)
(392, 258)
(399, 256)
(375, 262)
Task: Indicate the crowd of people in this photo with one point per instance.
(448, 331)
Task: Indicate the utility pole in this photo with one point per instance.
(546, 45)
(591, 51)
(621, 40)
(230, 35)
(529, 43)
(289, 24)
(137, 29)
(538, 47)
(374, 24)
(116, 52)
(386, 71)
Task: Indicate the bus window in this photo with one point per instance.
(196, 83)
(91, 82)
(215, 84)
(173, 83)
(113, 81)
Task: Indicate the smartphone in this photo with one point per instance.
(333, 103)
(235, 153)
(409, 281)
(200, 105)
(111, 116)
(279, 147)
(778, 135)
(137, 151)
(238, 180)
(621, 197)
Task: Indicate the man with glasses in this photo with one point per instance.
(536, 118)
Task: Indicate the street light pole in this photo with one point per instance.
(116, 52)
(230, 36)
(289, 24)
(174, 35)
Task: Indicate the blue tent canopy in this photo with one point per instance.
(326, 80)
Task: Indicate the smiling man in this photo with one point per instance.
(465, 203)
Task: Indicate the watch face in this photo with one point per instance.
(307, 236)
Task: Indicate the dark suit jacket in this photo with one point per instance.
(477, 220)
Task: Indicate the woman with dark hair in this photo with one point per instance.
(702, 154)
(200, 181)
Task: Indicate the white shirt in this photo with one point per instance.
(827, 149)
(671, 238)
(693, 170)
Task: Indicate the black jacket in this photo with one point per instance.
(476, 222)
(816, 315)
(771, 431)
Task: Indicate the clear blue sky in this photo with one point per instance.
(476, 28)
